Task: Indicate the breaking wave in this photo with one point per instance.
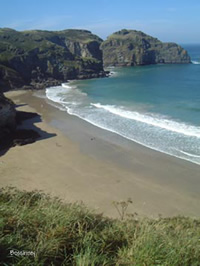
(152, 130)
(195, 62)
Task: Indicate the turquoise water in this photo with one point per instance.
(157, 106)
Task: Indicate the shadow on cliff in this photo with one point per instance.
(25, 133)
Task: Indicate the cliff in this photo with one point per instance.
(131, 48)
(13, 131)
(7, 117)
(38, 59)
(44, 58)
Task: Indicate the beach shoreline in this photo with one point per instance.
(85, 163)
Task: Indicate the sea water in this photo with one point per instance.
(157, 106)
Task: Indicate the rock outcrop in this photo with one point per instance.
(7, 117)
(37, 59)
(132, 48)
(12, 135)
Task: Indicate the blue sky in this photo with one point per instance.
(177, 20)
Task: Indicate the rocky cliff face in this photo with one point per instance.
(130, 48)
(38, 59)
(43, 58)
(7, 117)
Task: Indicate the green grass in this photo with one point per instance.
(71, 234)
(14, 43)
(35, 48)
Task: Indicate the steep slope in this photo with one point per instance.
(130, 48)
(7, 117)
(41, 58)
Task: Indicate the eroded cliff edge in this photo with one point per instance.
(132, 48)
(7, 117)
(37, 59)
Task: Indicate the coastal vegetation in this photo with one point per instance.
(57, 233)
(37, 59)
(135, 48)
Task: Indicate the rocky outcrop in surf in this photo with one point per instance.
(132, 48)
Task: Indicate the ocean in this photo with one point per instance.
(157, 106)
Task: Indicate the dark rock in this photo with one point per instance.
(13, 135)
(13, 131)
(7, 121)
(130, 48)
(7, 117)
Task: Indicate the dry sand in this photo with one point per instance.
(79, 162)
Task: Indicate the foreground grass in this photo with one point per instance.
(70, 234)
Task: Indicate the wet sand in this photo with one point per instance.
(80, 162)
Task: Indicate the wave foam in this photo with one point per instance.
(152, 120)
(195, 62)
(153, 131)
(189, 154)
(55, 94)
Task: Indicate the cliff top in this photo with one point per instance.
(14, 42)
(133, 35)
(132, 47)
(78, 35)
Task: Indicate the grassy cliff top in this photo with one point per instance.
(14, 42)
(128, 34)
(71, 234)
(77, 35)
(17, 43)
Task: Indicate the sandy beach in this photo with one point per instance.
(77, 161)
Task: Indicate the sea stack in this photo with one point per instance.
(133, 48)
